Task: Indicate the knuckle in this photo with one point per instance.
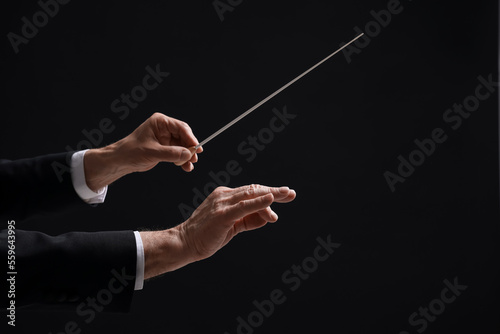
(219, 206)
(240, 206)
(251, 189)
(215, 193)
(158, 115)
(249, 192)
(220, 190)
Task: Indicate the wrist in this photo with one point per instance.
(102, 167)
(164, 251)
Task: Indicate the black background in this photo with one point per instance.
(353, 121)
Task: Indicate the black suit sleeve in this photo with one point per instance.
(36, 186)
(73, 271)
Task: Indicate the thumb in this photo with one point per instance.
(173, 153)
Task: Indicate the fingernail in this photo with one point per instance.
(275, 216)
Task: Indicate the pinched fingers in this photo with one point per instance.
(180, 133)
(180, 130)
(189, 165)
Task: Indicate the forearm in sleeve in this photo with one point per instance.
(36, 185)
(73, 270)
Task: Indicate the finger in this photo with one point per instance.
(248, 192)
(194, 158)
(285, 197)
(247, 207)
(188, 167)
(248, 223)
(281, 194)
(268, 215)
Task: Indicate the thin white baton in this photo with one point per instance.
(237, 119)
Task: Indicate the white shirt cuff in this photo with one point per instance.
(80, 184)
(92, 197)
(139, 269)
